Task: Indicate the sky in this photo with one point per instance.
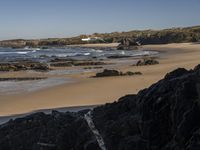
(32, 19)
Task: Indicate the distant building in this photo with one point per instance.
(90, 39)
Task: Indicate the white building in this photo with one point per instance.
(90, 39)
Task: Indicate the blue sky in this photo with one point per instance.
(65, 18)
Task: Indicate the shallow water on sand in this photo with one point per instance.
(15, 87)
(46, 55)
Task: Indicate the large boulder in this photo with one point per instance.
(128, 44)
(56, 131)
(163, 117)
(107, 73)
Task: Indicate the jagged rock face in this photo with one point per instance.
(165, 116)
(128, 44)
(58, 131)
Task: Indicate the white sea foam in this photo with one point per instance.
(86, 54)
(21, 52)
(72, 54)
(123, 53)
(97, 51)
(33, 51)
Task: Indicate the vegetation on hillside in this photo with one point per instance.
(172, 35)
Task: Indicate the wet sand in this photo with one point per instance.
(93, 91)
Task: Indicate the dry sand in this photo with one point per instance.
(90, 91)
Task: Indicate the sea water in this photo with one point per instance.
(45, 55)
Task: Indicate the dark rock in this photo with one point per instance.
(39, 67)
(61, 64)
(128, 44)
(97, 67)
(61, 59)
(22, 78)
(145, 62)
(57, 131)
(88, 63)
(118, 56)
(19, 66)
(76, 63)
(176, 73)
(109, 73)
(163, 117)
(130, 73)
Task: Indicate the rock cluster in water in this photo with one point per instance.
(164, 116)
(68, 63)
(22, 78)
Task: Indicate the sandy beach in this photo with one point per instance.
(93, 91)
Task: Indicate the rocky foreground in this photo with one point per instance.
(166, 116)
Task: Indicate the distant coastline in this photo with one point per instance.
(144, 37)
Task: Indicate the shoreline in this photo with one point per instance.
(4, 119)
(102, 45)
(90, 91)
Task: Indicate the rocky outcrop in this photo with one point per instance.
(145, 62)
(19, 66)
(95, 67)
(18, 43)
(61, 64)
(118, 56)
(128, 39)
(128, 44)
(109, 73)
(68, 63)
(57, 131)
(22, 78)
(164, 116)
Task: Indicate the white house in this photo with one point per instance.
(90, 39)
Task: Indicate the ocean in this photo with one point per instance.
(45, 55)
(55, 76)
